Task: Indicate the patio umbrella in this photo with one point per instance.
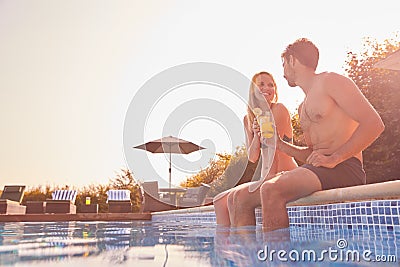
(391, 62)
(170, 145)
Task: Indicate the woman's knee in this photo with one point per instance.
(231, 199)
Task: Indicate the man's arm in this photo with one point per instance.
(299, 153)
(350, 99)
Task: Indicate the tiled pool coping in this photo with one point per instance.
(359, 207)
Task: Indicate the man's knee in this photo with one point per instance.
(273, 191)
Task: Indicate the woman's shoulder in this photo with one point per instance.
(279, 108)
(245, 120)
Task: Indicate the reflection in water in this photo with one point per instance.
(253, 247)
(171, 244)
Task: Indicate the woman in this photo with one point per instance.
(262, 94)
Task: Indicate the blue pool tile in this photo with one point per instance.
(394, 211)
(378, 215)
(381, 210)
(369, 211)
(363, 219)
(387, 211)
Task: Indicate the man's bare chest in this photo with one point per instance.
(316, 109)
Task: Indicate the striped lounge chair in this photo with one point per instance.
(63, 201)
(119, 201)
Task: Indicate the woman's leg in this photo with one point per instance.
(221, 208)
(241, 205)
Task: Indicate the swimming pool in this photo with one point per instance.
(189, 243)
(356, 226)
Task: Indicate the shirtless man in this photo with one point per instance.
(338, 124)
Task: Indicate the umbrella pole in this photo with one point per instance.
(170, 170)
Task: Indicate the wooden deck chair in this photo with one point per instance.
(63, 201)
(194, 196)
(11, 198)
(119, 201)
(152, 200)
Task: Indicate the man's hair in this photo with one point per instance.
(304, 51)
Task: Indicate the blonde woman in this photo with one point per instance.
(262, 95)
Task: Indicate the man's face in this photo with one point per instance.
(288, 73)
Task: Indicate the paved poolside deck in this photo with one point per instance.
(379, 191)
(75, 217)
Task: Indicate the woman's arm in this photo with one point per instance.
(284, 130)
(252, 140)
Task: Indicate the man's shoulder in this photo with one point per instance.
(328, 77)
(332, 81)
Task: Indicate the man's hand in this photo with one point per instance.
(319, 160)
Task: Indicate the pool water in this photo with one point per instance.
(146, 243)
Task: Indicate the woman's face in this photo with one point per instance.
(266, 87)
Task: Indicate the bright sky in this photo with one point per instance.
(69, 70)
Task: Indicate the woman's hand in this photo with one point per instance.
(256, 128)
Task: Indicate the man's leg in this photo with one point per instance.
(277, 192)
(241, 205)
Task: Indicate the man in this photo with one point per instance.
(338, 124)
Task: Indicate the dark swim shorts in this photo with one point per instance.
(348, 173)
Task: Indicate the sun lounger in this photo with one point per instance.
(63, 201)
(119, 201)
(10, 200)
